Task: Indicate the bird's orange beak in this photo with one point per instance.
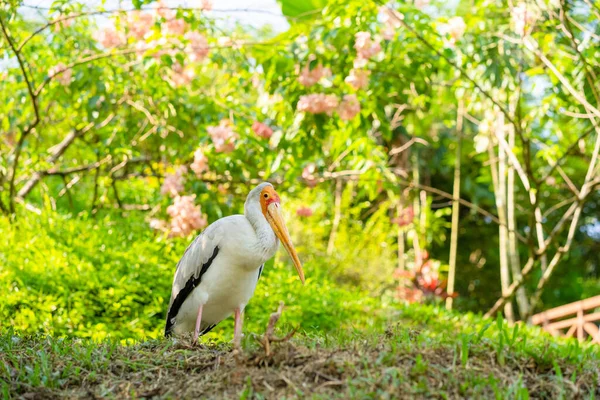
(275, 219)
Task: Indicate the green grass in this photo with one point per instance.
(424, 353)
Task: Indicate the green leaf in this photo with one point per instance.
(301, 11)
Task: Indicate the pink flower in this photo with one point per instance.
(308, 78)
(406, 218)
(308, 174)
(61, 74)
(223, 136)
(455, 28)
(110, 38)
(162, 10)
(420, 4)
(197, 46)
(304, 211)
(139, 24)
(358, 78)
(318, 103)
(262, 130)
(200, 163)
(185, 216)
(365, 46)
(175, 27)
(173, 183)
(182, 76)
(390, 21)
(349, 107)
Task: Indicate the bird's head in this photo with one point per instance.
(270, 205)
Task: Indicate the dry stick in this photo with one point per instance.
(585, 190)
(29, 128)
(455, 206)
(337, 216)
(576, 207)
(461, 201)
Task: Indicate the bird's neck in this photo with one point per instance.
(267, 241)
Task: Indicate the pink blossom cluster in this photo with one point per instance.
(197, 46)
(173, 183)
(349, 107)
(262, 130)
(186, 217)
(310, 77)
(139, 24)
(358, 78)
(308, 175)
(200, 164)
(223, 136)
(455, 28)
(61, 74)
(365, 46)
(523, 18)
(318, 103)
(304, 211)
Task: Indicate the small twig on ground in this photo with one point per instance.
(268, 337)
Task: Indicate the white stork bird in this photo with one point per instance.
(218, 272)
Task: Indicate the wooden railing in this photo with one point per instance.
(571, 320)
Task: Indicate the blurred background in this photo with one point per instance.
(425, 151)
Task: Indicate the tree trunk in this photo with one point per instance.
(337, 216)
(401, 239)
(499, 182)
(417, 213)
(513, 249)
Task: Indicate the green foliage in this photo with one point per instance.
(110, 277)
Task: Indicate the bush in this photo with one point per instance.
(110, 276)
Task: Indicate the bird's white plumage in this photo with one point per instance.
(244, 242)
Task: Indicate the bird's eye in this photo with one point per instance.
(266, 196)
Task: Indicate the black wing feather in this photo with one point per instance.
(190, 285)
(260, 271)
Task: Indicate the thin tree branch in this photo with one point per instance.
(27, 130)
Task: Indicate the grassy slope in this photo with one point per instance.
(425, 353)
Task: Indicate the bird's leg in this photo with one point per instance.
(237, 331)
(198, 321)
